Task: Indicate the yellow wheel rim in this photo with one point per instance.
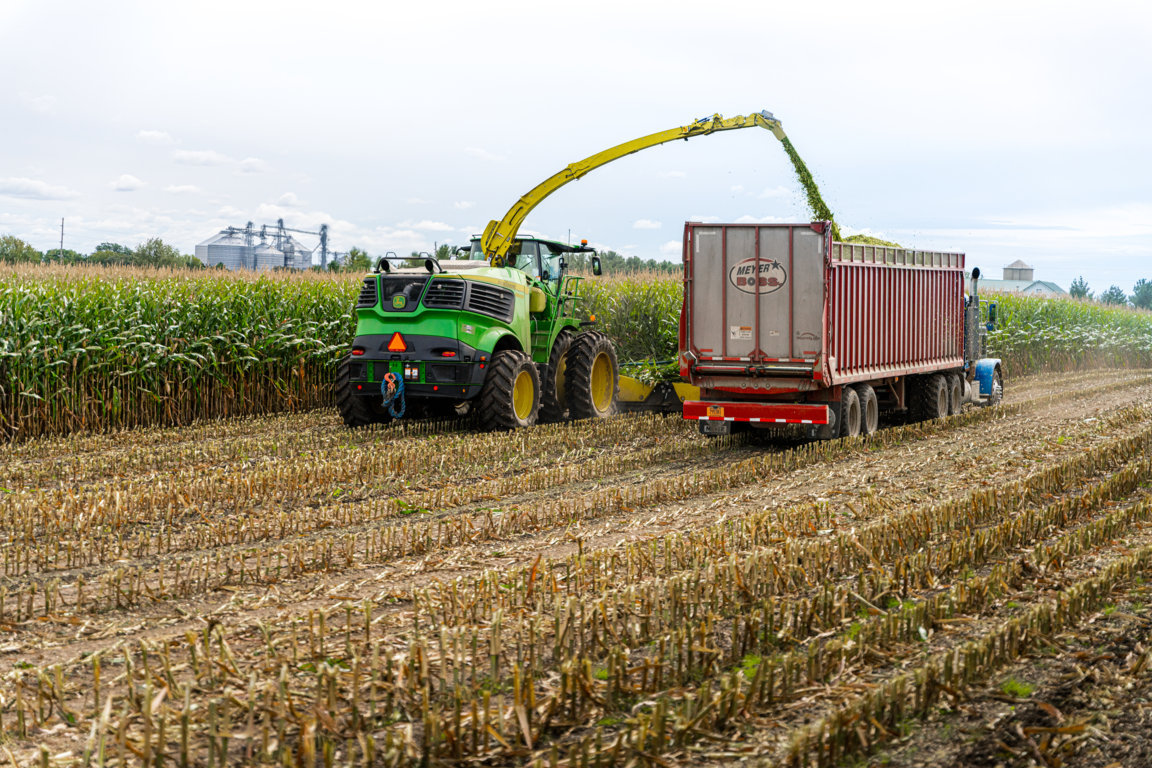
(602, 383)
(523, 393)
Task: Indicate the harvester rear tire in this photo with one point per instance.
(955, 394)
(553, 395)
(930, 398)
(355, 409)
(850, 415)
(510, 396)
(592, 378)
(869, 409)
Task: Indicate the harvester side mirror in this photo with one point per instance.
(596, 268)
(382, 265)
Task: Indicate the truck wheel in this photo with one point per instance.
(553, 397)
(930, 398)
(510, 396)
(955, 394)
(869, 409)
(591, 378)
(997, 394)
(849, 413)
(356, 409)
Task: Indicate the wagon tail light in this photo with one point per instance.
(397, 343)
(357, 351)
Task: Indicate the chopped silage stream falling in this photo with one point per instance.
(819, 209)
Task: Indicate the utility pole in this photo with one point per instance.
(60, 254)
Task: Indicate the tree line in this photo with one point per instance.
(151, 253)
(1141, 296)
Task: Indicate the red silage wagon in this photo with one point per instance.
(782, 325)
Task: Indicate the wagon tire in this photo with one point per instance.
(869, 409)
(850, 416)
(930, 398)
(955, 394)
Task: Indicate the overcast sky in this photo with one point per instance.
(1007, 130)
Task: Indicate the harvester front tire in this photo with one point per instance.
(592, 377)
(553, 393)
(869, 409)
(356, 410)
(510, 396)
(930, 398)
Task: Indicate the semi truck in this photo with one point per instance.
(781, 325)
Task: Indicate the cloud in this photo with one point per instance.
(159, 138)
(431, 226)
(290, 199)
(231, 212)
(33, 189)
(200, 157)
(673, 175)
(44, 104)
(671, 249)
(774, 192)
(463, 204)
(417, 201)
(736, 189)
(253, 165)
(645, 224)
(126, 182)
(182, 189)
(483, 154)
(748, 219)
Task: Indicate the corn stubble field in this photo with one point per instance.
(278, 590)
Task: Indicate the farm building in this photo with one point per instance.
(1020, 278)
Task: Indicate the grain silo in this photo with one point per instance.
(230, 248)
(266, 256)
(270, 247)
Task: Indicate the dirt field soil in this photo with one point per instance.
(973, 591)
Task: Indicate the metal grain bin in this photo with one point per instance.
(227, 248)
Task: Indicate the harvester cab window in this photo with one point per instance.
(550, 263)
(525, 258)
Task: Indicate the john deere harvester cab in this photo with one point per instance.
(504, 339)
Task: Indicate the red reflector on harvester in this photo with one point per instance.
(357, 352)
(449, 353)
(396, 343)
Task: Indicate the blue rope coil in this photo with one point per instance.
(392, 388)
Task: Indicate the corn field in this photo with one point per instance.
(107, 349)
(278, 590)
(102, 349)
